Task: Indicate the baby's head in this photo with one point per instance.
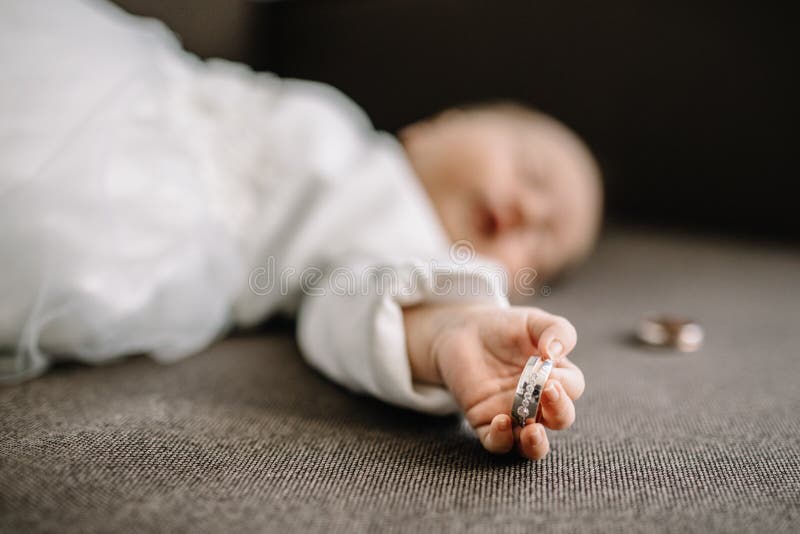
(516, 183)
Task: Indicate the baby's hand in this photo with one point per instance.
(478, 353)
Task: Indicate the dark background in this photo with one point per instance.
(691, 108)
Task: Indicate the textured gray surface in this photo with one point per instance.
(245, 437)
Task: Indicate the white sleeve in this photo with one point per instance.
(350, 325)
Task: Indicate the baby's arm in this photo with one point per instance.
(478, 353)
(440, 354)
(357, 337)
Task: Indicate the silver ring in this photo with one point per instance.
(529, 390)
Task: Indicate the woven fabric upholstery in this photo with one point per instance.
(246, 437)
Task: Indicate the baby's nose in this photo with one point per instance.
(508, 217)
(534, 209)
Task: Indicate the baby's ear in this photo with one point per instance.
(406, 133)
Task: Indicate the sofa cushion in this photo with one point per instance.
(246, 437)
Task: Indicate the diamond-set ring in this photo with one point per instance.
(529, 389)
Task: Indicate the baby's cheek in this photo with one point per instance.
(519, 256)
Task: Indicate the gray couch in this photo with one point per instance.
(246, 437)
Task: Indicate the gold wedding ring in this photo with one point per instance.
(669, 331)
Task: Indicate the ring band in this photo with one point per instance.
(669, 331)
(529, 390)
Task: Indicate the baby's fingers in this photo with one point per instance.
(570, 377)
(498, 436)
(532, 441)
(555, 336)
(558, 411)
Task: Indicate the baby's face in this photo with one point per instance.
(519, 186)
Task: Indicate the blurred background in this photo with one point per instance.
(691, 108)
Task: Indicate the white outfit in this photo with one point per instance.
(150, 200)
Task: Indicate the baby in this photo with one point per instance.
(525, 191)
(149, 201)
